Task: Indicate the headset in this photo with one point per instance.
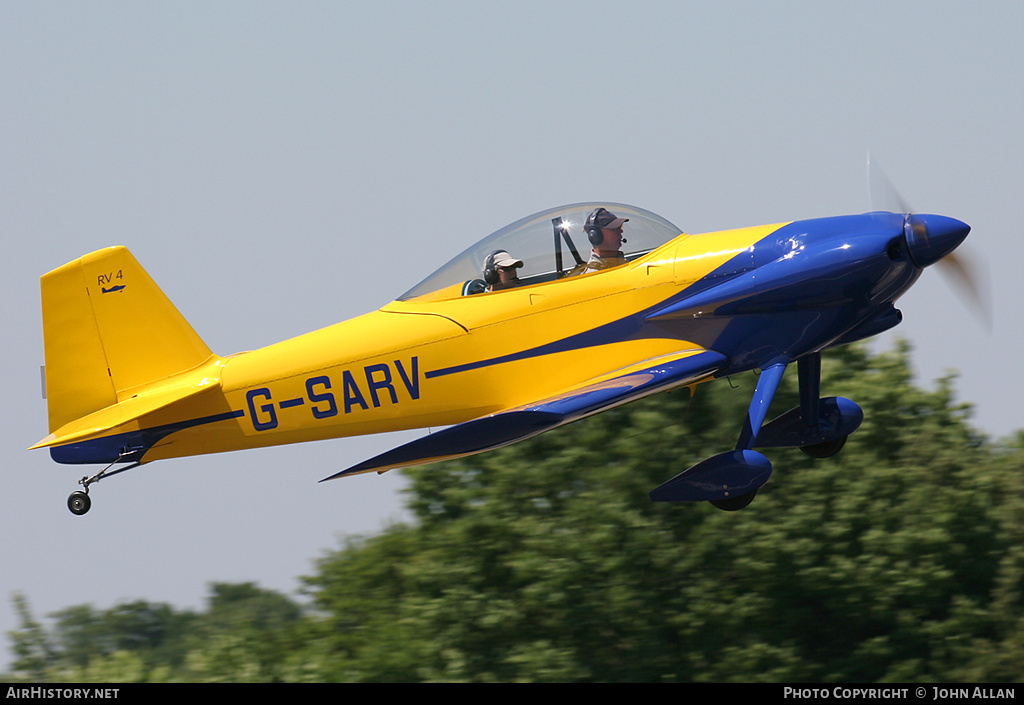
(491, 275)
(594, 233)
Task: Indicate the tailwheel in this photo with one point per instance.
(734, 504)
(79, 502)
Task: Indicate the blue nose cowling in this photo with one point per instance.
(932, 237)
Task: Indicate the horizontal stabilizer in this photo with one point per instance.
(511, 425)
(106, 419)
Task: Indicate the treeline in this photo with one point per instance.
(238, 638)
(900, 559)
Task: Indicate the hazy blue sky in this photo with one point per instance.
(278, 167)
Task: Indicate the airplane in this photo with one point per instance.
(128, 380)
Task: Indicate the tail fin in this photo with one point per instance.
(107, 330)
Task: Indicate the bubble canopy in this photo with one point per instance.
(550, 244)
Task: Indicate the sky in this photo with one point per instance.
(281, 166)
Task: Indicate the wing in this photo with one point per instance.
(511, 425)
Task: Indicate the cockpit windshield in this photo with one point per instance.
(550, 244)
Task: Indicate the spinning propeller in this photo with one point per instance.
(932, 239)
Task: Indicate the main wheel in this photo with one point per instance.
(79, 503)
(734, 504)
(826, 449)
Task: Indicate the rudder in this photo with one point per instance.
(107, 330)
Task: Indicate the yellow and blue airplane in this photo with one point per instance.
(129, 381)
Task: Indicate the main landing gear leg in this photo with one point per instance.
(767, 385)
(819, 427)
(809, 370)
(730, 480)
(79, 502)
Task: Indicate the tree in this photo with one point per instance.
(153, 630)
(245, 634)
(32, 647)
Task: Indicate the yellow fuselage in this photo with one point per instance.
(440, 359)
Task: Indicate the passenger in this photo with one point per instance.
(604, 230)
(500, 271)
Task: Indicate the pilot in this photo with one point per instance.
(604, 230)
(500, 271)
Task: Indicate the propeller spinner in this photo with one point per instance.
(932, 239)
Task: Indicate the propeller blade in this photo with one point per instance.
(883, 195)
(961, 271)
(970, 281)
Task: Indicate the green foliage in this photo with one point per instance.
(900, 559)
(240, 637)
(30, 645)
